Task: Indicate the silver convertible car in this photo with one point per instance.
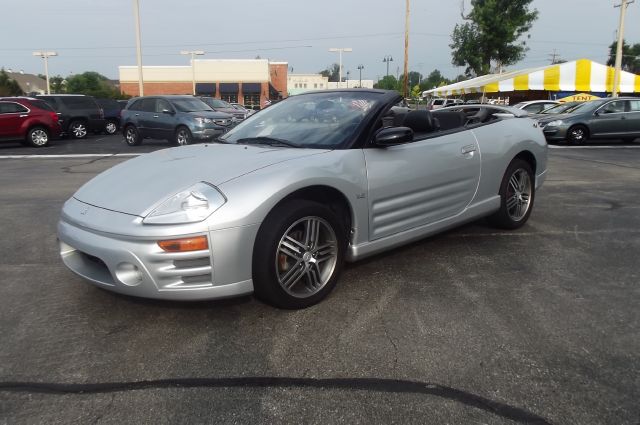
(276, 205)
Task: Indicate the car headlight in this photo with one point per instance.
(555, 123)
(188, 206)
(201, 120)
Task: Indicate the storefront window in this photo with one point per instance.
(228, 97)
(252, 101)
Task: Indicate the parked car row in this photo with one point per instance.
(612, 118)
(36, 120)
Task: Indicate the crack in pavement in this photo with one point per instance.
(397, 386)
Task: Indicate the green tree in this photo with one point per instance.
(8, 86)
(434, 79)
(332, 72)
(414, 78)
(416, 92)
(492, 33)
(92, 84)
(630, 56)
(388, 82)
(57, 84)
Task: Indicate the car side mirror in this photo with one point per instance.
(392, 136)
(166, 111)
(596, 113)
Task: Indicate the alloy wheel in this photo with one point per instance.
(518, 194)
(79, 130)
(577, 135)
(131, 136)
(39, 137)
(306, 257)
(111, 128)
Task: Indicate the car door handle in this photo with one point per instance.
(137, 115)
(155, 116)
(23, 115)
(468, 149)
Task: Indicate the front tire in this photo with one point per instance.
(37, 137)
(78, 129)
(132, 136)
(517, 193)
(298, 254)
(577, 135)
(182, 137)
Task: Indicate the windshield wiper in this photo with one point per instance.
(266, 140)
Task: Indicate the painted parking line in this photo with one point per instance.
(77, 155)
(594, 147)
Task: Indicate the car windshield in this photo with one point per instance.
(216, 103)
(561, 108)
(319, 120)
(190, 105)
(586, 106)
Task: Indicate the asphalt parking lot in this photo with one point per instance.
(540, 325)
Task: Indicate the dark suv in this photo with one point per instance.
(29, 120)
(179, 119)
(111, 109)
(78, 114)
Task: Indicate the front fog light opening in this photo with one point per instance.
(129, 274)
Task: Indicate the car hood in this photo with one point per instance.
(209, 114)
(136, 186)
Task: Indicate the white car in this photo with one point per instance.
(535, 106)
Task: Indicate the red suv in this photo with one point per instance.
(32, 121)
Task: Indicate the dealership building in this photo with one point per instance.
(250, 82)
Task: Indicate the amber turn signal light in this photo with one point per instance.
(197, 243)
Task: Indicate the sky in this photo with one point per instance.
(98, 35)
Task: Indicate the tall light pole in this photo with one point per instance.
(193, 54)
(387, 59)
(348, 73)
(360, 68)
(46, 55)
(136, 16)
(618, 67)
(340, 49)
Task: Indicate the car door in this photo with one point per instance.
(164, 123)
(609, 119)
(633, 117)
(422, 182)
(12, 115)
(145, 117)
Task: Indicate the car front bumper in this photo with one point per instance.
(208, 133)
(137, 266)
(555, 133)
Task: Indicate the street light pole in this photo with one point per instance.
(340, 50)
(348, 73)
(405, 83)
(618, 65)
(193, 54)
(136, 16)
(387, 59)
(45, 55)
(360, 68)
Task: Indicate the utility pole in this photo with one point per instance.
(405, 84)
(340, 50)
(136, 16)
(616, 75)
(46, 55)
(193, 54)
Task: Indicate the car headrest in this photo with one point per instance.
(420, 121)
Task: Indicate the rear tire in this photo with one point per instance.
(37, 137)
(298, 254)
(132, 136)
(78, 129)
(182, 137)
(577, 135)
(111, 127)
(517, 193)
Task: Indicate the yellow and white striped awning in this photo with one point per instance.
(581, 75)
